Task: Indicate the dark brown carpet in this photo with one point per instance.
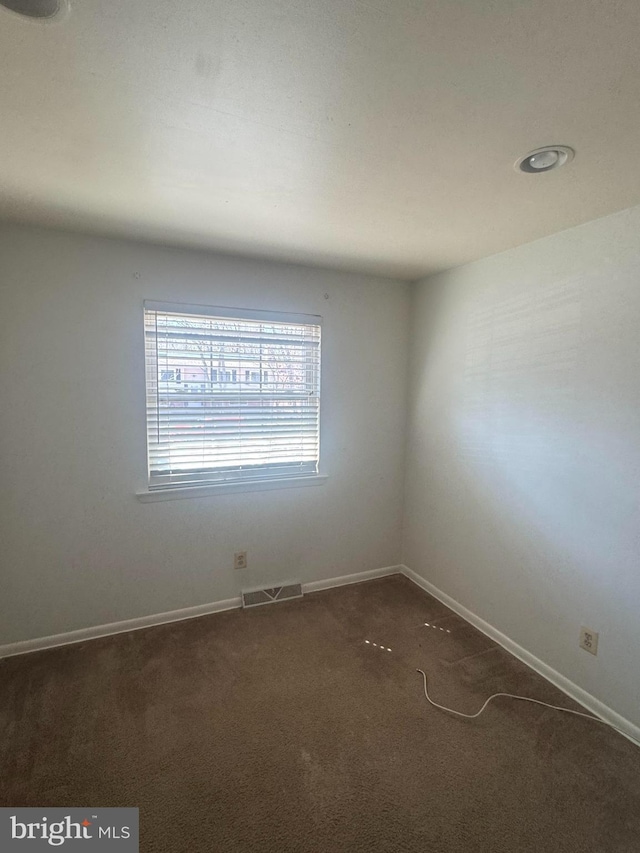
(279, 729)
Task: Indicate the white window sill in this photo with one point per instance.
(174, 494)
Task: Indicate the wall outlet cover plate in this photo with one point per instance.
(589, 640)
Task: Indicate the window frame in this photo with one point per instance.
(161, 491)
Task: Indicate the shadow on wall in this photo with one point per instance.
(542, 458)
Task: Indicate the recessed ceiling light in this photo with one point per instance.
(545, 159)
(33, 8)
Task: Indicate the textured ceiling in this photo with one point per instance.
(377, 135)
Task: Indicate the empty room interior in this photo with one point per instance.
(320, 426)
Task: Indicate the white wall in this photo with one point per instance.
(523, 460)
(78, 548)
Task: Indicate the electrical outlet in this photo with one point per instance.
(589, 640)
(240, 560)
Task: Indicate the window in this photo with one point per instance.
(231, 395)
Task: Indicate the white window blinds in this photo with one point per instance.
(231, 395)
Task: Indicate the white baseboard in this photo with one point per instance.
(80, 636)
(358, 577)
(83, 634)
(626, 727)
